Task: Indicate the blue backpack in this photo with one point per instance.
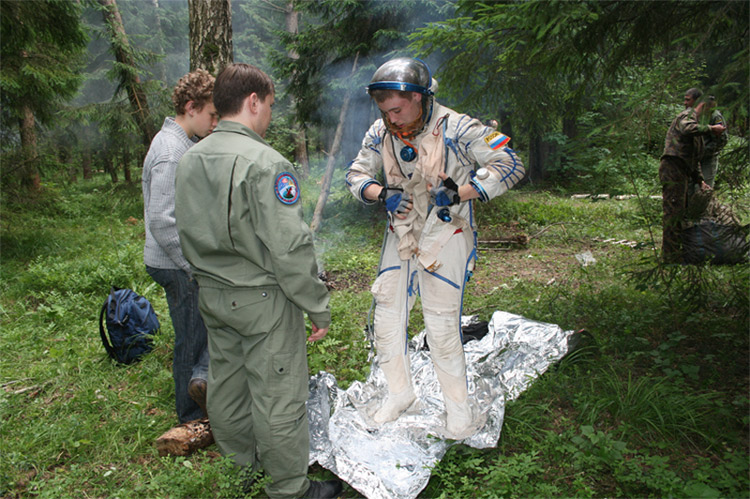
(131, 323)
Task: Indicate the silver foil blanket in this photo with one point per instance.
(394, 460)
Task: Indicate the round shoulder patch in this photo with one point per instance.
(286, 188)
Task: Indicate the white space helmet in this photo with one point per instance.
(409, 75)
(402, 73)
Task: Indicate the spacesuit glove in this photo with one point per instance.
(446, 194)
(395, 200)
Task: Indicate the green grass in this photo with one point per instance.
(653, 401)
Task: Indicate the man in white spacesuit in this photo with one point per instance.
(435, 162)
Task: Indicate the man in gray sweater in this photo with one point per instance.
(195, 118)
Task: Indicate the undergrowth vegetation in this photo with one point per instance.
(653, 401)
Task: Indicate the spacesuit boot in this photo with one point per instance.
(460, 420)
(394, 405)
(400, 390)
(451, 373)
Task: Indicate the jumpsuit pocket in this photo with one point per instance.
(282, 364)
(245, 310)
(384, 288)
(288, 385)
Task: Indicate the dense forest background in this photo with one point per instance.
(586, 89)
(653, 401)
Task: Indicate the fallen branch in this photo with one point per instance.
(186, 438)
(13, 382)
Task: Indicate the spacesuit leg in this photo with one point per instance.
(394, 291)
(394, 297)
(442, 293)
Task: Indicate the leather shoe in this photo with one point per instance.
(197, 389)
(323, 490)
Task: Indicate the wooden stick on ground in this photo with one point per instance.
(184, 439)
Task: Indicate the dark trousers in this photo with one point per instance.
(190, 357)
(674, 189)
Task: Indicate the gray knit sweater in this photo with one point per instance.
(162, 249)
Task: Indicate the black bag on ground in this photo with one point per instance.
(710, 241)
(130, 325)
(473, 331)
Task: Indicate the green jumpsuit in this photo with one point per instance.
(241, 228)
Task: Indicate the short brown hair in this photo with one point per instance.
(196, 86)
(694, 93)
(235, 82)
(381, 94)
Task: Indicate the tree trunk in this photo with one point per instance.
(130, 79)
(110, 167)
(538, 154)
(300, 149)
(210, 35)
(570, 130)
(325, 187)
(300, 137)
(160, 34)
(65, 157)
(126, 164)
(506, 126)
(29, 173)
(86, 165)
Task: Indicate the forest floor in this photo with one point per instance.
(653, 402)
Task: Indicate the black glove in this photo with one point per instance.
(446, 194)
(395, 200)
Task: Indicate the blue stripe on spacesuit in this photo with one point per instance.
(388, 269)
(406, 307)
(376, 139)
(453, 143)
(413, 290)
(348, 172)
(362, 191)
(466, 122)
(450, 143)
(467, 274)
(464, 157)
(504, 172)
(444, 279)
(480, 190)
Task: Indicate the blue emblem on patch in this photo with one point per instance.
(286, 188)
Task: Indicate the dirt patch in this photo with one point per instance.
(497, 266)
(350, 280)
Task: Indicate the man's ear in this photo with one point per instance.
(252, 101)
(190, 108)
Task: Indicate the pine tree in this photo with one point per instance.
(127, 70)
(549, 61)
(42, 47)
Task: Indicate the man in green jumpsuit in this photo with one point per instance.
(241, 228)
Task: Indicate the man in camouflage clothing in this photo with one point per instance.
(712, 144)
(683, 149)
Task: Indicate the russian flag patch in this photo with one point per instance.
(496, 140)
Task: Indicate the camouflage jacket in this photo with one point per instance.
(713, 144)
(684, 140)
